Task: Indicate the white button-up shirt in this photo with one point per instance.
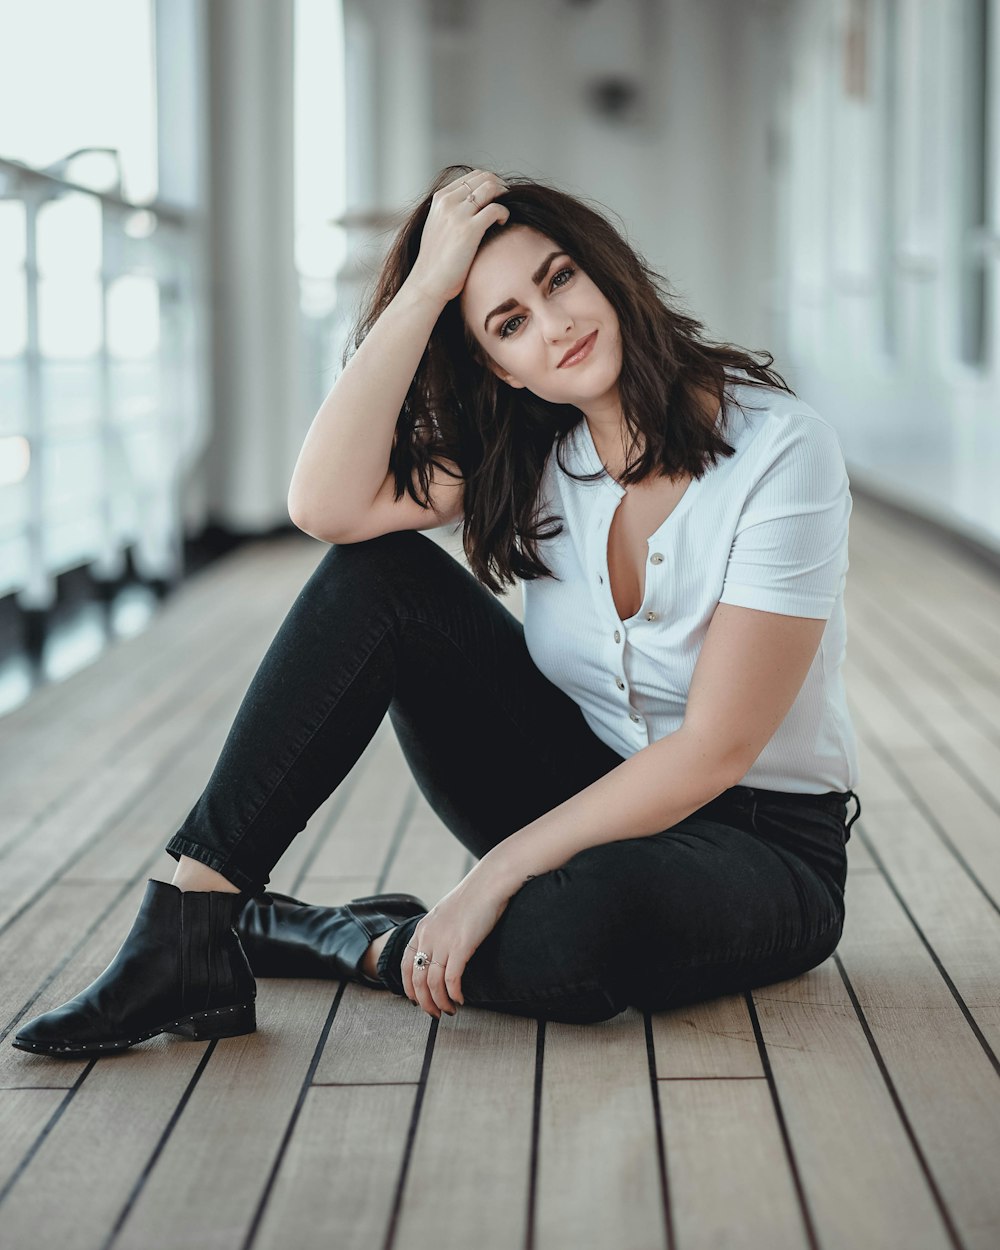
(766, 528)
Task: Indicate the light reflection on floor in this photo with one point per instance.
(77, 636)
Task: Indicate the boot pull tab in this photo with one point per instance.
(847, 828)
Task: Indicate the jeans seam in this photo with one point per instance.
(548, 995)
(241, 834)
(563, 1000)
(765, 953)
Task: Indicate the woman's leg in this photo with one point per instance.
(395, 614)
(391, 624)
(397, 624)
(745, 892)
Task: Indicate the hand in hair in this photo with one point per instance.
(453, 231)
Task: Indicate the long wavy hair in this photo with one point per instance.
(501, 436)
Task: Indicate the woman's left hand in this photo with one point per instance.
(450, 933)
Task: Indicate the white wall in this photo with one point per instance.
(256, 387)
(919, 425)
(690, 181)
(753, 180)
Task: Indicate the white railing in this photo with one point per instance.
(102, 409)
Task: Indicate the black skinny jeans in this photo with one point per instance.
(746, 891)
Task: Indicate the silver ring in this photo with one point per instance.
(421, 960)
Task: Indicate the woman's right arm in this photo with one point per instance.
(342, 486)
(344, 460)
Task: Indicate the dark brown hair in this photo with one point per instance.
(500, 436)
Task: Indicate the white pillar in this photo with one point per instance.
(255, 289)
(389, 136)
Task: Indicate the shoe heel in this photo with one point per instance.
(220, 1022)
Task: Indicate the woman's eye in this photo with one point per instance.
(505, 332)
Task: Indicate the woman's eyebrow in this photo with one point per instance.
(536, 278)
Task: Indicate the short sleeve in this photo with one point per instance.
(789, 552)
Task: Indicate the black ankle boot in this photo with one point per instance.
(285, 937)
(181, 969)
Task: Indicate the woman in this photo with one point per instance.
(653, 774)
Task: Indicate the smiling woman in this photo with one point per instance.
(498, 386)
(573, 322)
(653, 772)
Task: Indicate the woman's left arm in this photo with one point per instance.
(751, 666)
(788, 552)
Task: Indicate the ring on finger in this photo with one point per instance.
(472, 191)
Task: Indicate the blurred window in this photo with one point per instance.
(320, 184)
(80, 76)
(973, 221)
(890, 147)
(102, 407)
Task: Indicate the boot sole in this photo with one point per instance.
(201, 1026)
(390, 900)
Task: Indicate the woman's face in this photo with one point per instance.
(528, 304)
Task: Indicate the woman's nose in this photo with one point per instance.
(557, 327)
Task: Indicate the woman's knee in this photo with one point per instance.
(560, 950)
(365, 576)
(379, 555)
(403, 569)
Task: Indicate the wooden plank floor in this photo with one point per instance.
(856, 1106)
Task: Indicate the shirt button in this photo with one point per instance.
(633, 716)
(618, 636)
(650, 616)
(656, 558)
(619, 683)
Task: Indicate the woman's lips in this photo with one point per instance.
(582, 354)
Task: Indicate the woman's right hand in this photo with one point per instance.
(453, 231)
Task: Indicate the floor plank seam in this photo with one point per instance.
(286, 1137)
(887, 759)
(941, 640)
(940, 746)
(361, 1084)
(953, 988)
(897, 1102)
(663, 1080)
(793, 1166)
(661, 1155)
(867, 661)
(47, 1128)
(536, 1131)
(901, 639)
(57, 874)
(411, 1134)
(335, 805)
(176, 703)
(395, 843)
(158, 1149)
